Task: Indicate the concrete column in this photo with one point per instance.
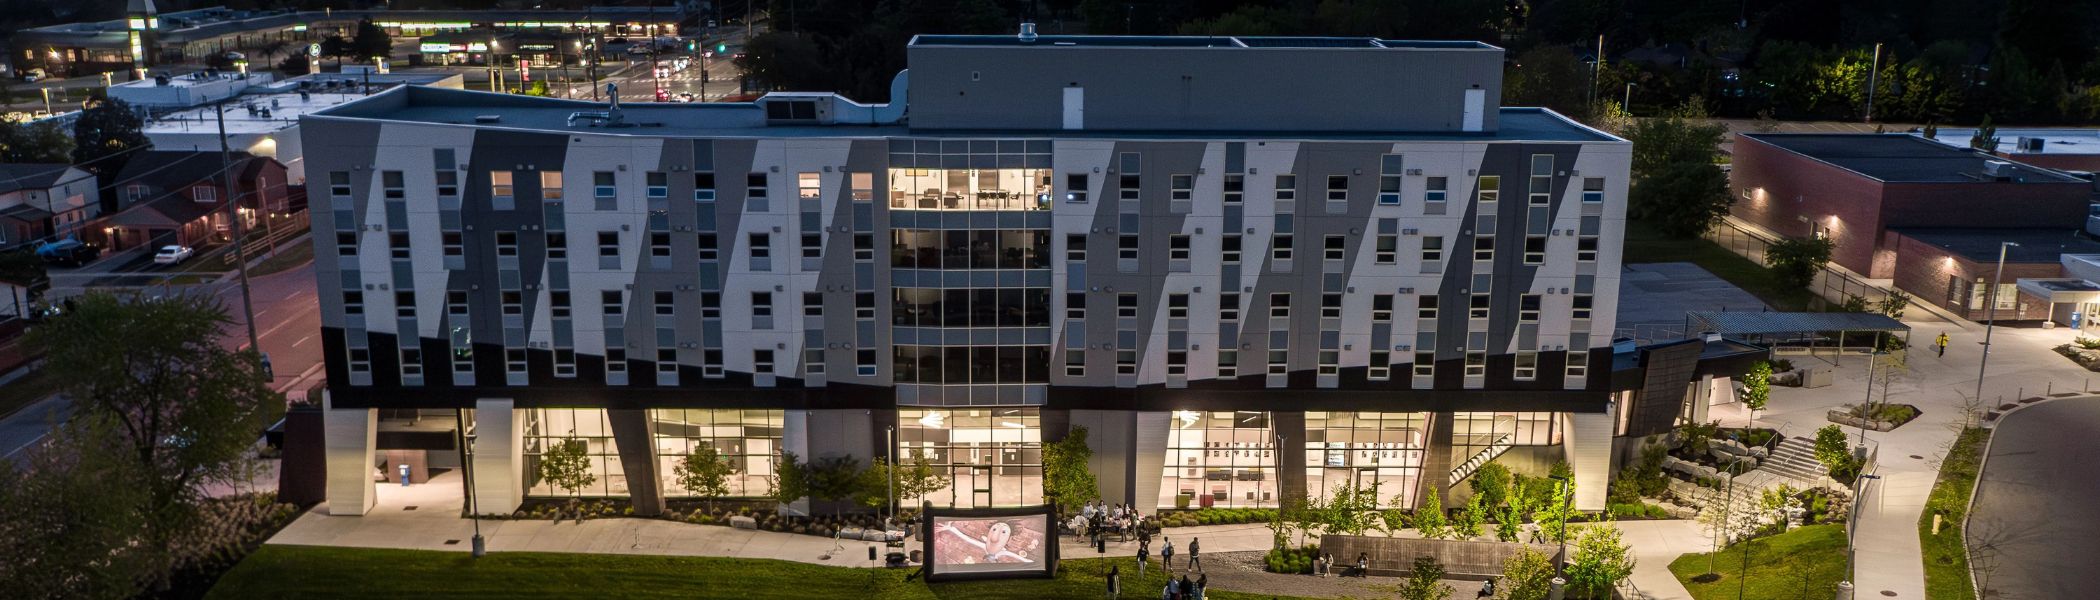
(1111, 435)
(794, 438)
(1291, 477)
(499, 456)
(350, 435)
(1436, 459)
(634, 436)
(1702, 398)
(1586, 438)
(1149, 456)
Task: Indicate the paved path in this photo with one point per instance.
(2034, 503)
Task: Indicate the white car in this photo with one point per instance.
(173, 255)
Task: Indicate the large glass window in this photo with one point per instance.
(1476, 432)
(749, 440)
(546, 427)
(993, 456)
(958, 249)
(1369, 448)
(1223, 459)
(970, 189)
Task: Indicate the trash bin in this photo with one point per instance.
(404, 475)
(1815, 377)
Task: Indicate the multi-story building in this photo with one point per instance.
(1249, 267)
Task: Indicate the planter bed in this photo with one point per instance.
(1845, 417)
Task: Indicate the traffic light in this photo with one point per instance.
(690, 45)
(721, 47)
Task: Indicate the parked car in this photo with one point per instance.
(173, 255)
(68, 252)
(33, 75)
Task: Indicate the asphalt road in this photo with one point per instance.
(2034, 533)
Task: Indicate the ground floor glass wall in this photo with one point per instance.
(1222, 459)
(1369, 448)
(546, 427)
(749, 440)
(993, 455)
(1475, 432)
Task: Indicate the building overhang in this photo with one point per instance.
(2060, 289)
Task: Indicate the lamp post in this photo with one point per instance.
(466, 449)
(1873, 75)
(1990, 319)
(1560, 568)
(1627, 105)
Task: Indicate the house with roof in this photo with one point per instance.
(44, 200)
(1925, 217)
(177, 197)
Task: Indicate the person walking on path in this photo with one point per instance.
(1195, 559)
(1940, 343)
(1166, 555)
(1115, 585)
(1144, 552)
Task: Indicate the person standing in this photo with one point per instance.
(1940, 343)
(1144, 553)
(1195, 559)
(1188, 589)
(1166, 554)
(1202, 584)
(1115, 585)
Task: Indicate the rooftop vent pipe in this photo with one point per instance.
(1027, 31)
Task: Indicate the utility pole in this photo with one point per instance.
(1873, 76)
(240, 257)
(1596, 64)
(1990, 319)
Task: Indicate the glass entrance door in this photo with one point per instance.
(981, 496)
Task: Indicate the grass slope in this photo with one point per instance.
(1946, 562)
(329, 572)
(1804, 563)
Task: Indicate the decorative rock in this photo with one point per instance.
(743, 522)
(1760, 452)
(1729, 446)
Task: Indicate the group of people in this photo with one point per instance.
(1323, 566)
(1097, 519)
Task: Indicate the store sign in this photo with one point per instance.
(536, 47)
(437, 47)
(441, 47)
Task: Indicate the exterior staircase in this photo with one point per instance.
(1795, 458)
(1481, 458)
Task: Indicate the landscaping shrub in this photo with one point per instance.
(1292, 560)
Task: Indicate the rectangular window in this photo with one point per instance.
(1177, 363)
(1127, 247)
(1389, 173)
(1586, 248)
(1380, 367)
(1229, 249)
(864, 363)
(1534, 249)
(1382, 307)
(616, 360)
(608, 244)
(1432, 248)
(1476, 363)
(1592, 190)
(1425, 307)
(1388, 251)
(1228, 363)
(551, 186)
(1528, 308)
(1581, 304)
(1075, 188)
(1286, 188)
(808, 186)
(1490, 190)
(1280, 306)
(667, 361)
(1178, 247)
(1235, 189)
(1177, 306)
(453, 242)
(506, 243)
(1183, 188)
(1075, 306)
(1279, 362)
(755, 192)
(1330, 306)
(513, 302)
(813, 361)
(391, 185)
(1127, 305)
(605, 185)
(703, 187)
(1435, 189)
(1229, 307)
(1330, 362)
(658, 185)
(1126, 362)
(338, 184)
(558, 305)
(864, 305)
(456, 305)
(514, 360)
(863, 247)
(1484, 247)
(863, 187)
(612, 302)
(812, 245)
(711, 307)
(500, 185)
(761, 246)
(397, 244)
(1578, 364)
(204, 193)
(1280, 247)
(813, 304)
(1527, 366)
(353, 302)
(1425, 364)
(709, 247)
(1334, 247)
(761, 304)
(1541, 189)
(1337, 188)
(1479, 306)
(1075, 248)
(345, 244)
(1075, 363)
(660, 244)
(665, 304)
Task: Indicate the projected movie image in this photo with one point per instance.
(990, 544)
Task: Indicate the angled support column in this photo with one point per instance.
(499, 456)
(350, 436)
(634, 435)
(1587, 439)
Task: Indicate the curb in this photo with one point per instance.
(1983, 462)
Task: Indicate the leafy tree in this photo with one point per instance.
(107, 128)
(1757, 387)
(1893, 304)
(1491, 483)
(566, 465)
(1549, 76)
(371, 42)
(790, 481)
(1509, 521)
(69, 521)
(537, 88)
(1467, 524)
(1526, 575)
(1555, 516)
(1429, 518)
(1833, 449)
(837, 479)
(1602, 559)
(295, 64)
(912, 479)
(1284, 521)
(1795, 261)
(1676, 185)
(42, 142)
(1067, 480)
(1425, 581)
(336, 47)
(1352, 509)
(1986, 136)
(184, 410)
(704, 474)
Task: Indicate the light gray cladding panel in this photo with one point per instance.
(1204, 89)
(348, 146)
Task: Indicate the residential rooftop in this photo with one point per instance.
(2052, 141)
(1183, 41)
(1981, 245)
(1907, 158)
(749, 120)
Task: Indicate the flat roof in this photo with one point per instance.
(419, 104)
(285, 110)
(2054, 141)
(1195, 41)
(1981, 245)
(1904, 158)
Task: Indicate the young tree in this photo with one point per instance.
(790, 481)
(1067, 480)
(1509, 521)
(1467, 524)
(336, 47)
(1425, 581)
(704, 474)
(1602, 559)
(913, 479)
(566, 465)
(1893, 304)
(1491, 484)
(1757, 388)
(1429, 518)
(1352, 509)
(1526, 575)
(1833, 449)
(1797, 260)
(837, 479)
(1555, 516)
(178, 404)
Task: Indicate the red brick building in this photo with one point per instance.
(1853, 188)
(1953, 268)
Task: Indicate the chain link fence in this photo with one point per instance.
(1831, 285)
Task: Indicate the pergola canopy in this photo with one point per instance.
(1764, 323)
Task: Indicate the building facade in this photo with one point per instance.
(1381, 276)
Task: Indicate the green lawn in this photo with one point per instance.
(1646, 245)
(330, 572)
(288, 256)
(1946, 561)
(1804, 563)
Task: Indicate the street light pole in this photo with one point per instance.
(1990, 319)
(1627, 105)
(1873, 75)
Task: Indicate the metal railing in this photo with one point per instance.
(1831, 284)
